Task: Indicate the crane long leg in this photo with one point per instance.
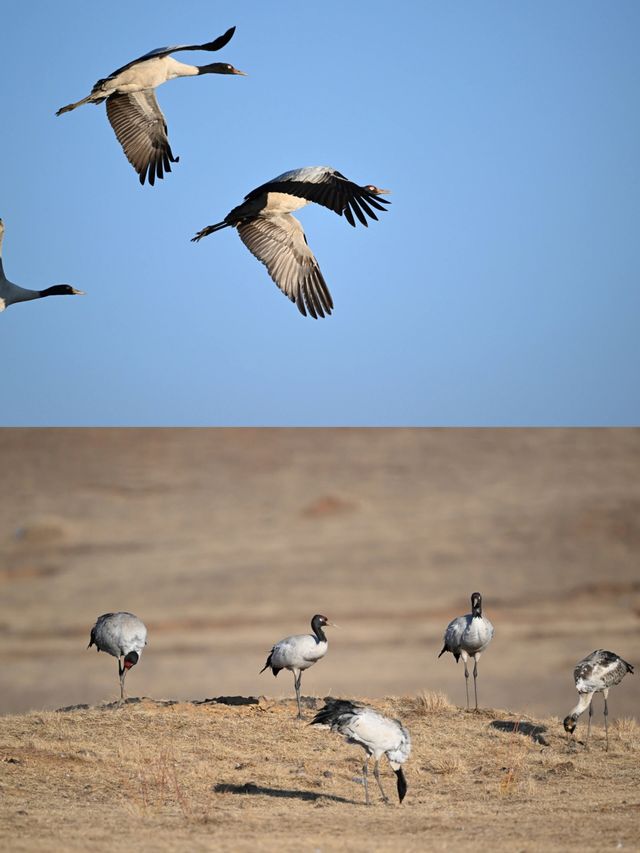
(70, 107)
(376, 773)
(466, 682)
(365, 778)
(589, 724)
(475, 676)
(296, 681)
(606, 722)
(122, 672)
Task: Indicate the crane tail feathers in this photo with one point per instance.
(269, 664)
(70, 107)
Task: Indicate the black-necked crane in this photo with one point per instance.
(132, 107)
(277, 239)
(376, 734)
(299, 652)
(122, 635)
(467, 637)
(11, 293)
(597, 673)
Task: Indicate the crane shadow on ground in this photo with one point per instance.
(535, 732)
(252, 788)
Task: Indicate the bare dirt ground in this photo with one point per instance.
(224, 541)
(247, 778)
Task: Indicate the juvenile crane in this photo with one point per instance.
(11, 293)
(122, 635)
(276, 238)
(299, 652)
(597, 673)
(467, 637)
(132, 107)
(376, 734)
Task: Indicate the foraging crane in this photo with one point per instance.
(277, 239)
(376, 734)
(11, 293)
(467, 637)
(596, 673)
(122, 635)
(299, 652)
(132, 108)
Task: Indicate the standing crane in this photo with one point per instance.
(467, 637)
(299, 652)
(122, 635)
(597, 673)
(11, 293)
(277, 239)
(376, 734)
(132, 107)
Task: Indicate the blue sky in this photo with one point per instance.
(501, 288)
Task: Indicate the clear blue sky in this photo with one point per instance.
(501, 288)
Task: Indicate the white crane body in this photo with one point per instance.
(278, 240)
(597, 673)
(467, 637)
(122, 635)
(378, 735)
(298, 652)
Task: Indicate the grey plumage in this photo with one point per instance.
(11, 293)
(141, 129)
(467, 637)
(133, 110)
(277, 239)
(298, 652)
(376, 734)
(597, 673)
(122, 635)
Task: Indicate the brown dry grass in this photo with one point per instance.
(214, 777)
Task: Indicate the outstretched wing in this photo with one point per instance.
(328, 187)
(279, 243)
(216, 44)
(141, 129)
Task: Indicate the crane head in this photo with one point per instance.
(220, 68)
(130, 660)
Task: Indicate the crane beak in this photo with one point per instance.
(241, 73)
(78, 292)
(382, 192)
(333, 624)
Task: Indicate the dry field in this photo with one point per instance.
(251, 777)
(224, 541)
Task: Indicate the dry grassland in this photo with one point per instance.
(158, 776)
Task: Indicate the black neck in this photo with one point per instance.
(476, 605)
(317, 629)
(213, 68)
(401, 783)
(56, 290)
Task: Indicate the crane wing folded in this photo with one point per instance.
(329, 188)
(279, 243)
(141, 129)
